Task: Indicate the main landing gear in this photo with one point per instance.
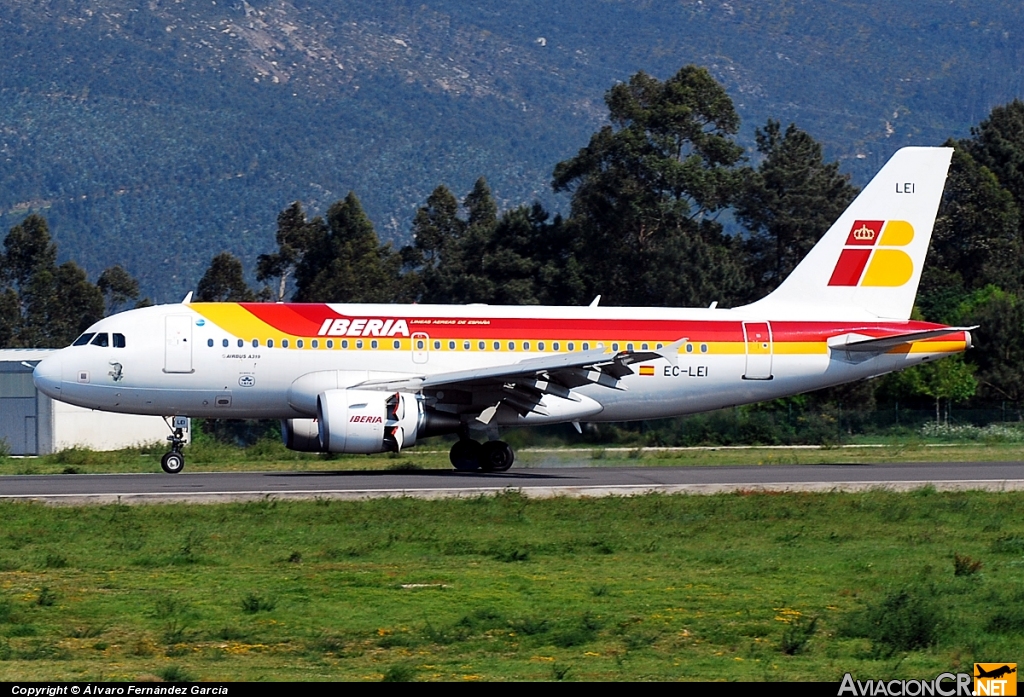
(468, 455)
(174, 461)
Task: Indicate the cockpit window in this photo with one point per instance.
(84, 339)
(119, 341)
(102, 339)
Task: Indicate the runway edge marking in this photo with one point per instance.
(213, 497)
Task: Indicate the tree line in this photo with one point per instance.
(666, 210)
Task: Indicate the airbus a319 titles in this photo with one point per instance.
(347, 378)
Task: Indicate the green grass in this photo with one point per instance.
(741, 586)
(267, 455)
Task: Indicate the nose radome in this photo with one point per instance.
(47, 376)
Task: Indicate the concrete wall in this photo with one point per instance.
(34, 424)
(100, 430)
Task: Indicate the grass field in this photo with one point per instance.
(210, 456)
(754, 587)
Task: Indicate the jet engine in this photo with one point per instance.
(363, 421)
(301, 434)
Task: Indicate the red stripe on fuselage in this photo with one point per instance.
(306, 319)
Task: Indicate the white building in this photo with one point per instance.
(33, 424)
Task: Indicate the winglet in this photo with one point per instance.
(187, 299)
(596, 301)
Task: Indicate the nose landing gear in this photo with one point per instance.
(173, 462)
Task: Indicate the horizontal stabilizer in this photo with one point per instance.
(860, 343)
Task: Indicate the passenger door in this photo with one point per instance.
(178, 344)
(758, 339)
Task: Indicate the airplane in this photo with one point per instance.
(369, 378)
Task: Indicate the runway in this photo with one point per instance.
(540, 482)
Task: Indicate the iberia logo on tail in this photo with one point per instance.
(870, 256)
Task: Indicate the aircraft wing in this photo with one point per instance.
(861, 344)
(522, 385)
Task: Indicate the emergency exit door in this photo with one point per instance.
(420, 347)
(758, 339)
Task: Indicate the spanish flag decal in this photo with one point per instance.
(647, 370)
(868, 258)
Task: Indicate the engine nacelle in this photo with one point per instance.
(301, 434)
(363, 421)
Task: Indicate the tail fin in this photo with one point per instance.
(870, 260)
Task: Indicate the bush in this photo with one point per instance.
(254, 603)
(175, 674)
(46, 597)
(963, 565)
(400, 672)
(904, 620)
(797, 634)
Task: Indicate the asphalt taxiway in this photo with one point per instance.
(74, 489)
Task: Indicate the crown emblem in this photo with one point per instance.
(864, 233)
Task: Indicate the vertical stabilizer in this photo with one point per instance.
(870, 260)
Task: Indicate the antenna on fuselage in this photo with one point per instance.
(187, 299)
(596, 301)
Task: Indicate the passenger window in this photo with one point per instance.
(555, 346)
(540, 345)
(284, 343)
(373, 344)
(451, 345)
(224, 343)
(419, 344)
(270, 343)
(241, 343)
(315, 343)
(359, 343)
(209, 342)
(397, 344)
(344, 343)
(84, 339)
(703, 348)
(298, 343)
(497, 345)
(330, 343)
(101, 340)
(615, 346)
(571, 346)
(689, 348)
(643, 347)
(526, 345)
(511, 346)
(437, 345)
(119, 341)
(255, 343)
(465, 345)
(481, 346)
(586, 345)
(629, 347)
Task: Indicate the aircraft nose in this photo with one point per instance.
(47, 376)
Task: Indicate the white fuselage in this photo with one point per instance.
(177, 360)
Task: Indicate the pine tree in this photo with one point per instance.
(788, 203)
(224, 281)
(646, 191)
(347, 263)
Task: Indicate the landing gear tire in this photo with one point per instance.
(465, 455)
(496, 456)
(172, 462)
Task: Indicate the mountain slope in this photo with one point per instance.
(158, 135)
